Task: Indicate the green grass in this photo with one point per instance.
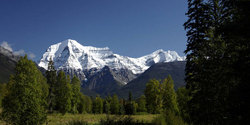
(58, 119)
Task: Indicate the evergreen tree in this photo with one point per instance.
(114, 105)
(63, 93)
(88, 104)
(97, 105)
(106, 107)
(130, 96)
(142, 104)
(51, 80)
(122, 107)
(236, 60)
(75, 83)
(24, 103)
(81, 107)
(182, 99)
(218, 50)
(153, 97)
(134, 107)
(204, 50)
(129, 105)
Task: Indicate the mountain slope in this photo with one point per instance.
(106, 81)
(158, 71)
(7, 64)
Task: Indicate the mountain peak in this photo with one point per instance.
(69, 54)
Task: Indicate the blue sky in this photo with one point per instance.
(128, 27)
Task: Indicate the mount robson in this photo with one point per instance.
(104, 73)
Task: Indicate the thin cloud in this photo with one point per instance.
(20, 52)
(31, 55)
(7, 46)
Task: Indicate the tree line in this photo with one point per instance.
(29, 96)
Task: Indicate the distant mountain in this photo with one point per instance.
(69, 54)
(100, 70)
(7, 64)
(107, 80)
(157, 71)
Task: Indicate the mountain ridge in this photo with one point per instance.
(69, 54)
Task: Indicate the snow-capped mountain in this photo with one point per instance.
(70, 55)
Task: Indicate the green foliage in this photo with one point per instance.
(142, 104)
(106, 107)
(81, 105)
(122, 107)
(25, 102)
(97, 105)
(76, 84)
(153, 97)
(182, 99)
(51, 80)
(168, 118)
(88, 104)
(63, 93)
(114, 105)
(168, 95)
(130, 105)
(3, 91)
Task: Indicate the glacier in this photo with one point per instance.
(69, 54)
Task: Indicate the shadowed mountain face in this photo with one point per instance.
(106, 81)
(7, 64)
(158, 71)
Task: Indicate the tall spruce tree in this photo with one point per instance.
(214, 59)
(130, 107)
(76, 84)
(51, 80)
(114, 105)
(81, 108)
(97, 105)
(63, 93)
(237, 37)
(106, 105)
(88, 104)
(25, 102)
(203, 50)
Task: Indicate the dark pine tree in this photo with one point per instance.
(51, 80)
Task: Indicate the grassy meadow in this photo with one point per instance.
(58, 119)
